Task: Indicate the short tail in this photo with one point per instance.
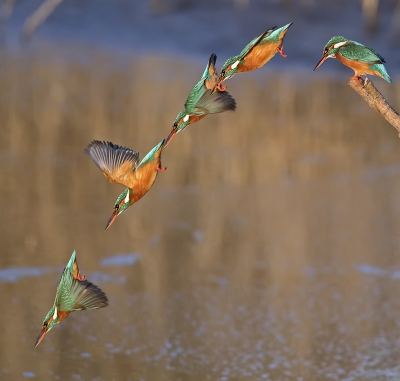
(381, 71)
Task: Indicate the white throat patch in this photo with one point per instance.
(339, 44)
(235, 65)
(186, 118)
(127, 197)
(55, 314)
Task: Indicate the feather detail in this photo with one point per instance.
(117, 162)
(87, 296)
(214, 103)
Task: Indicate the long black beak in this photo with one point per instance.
(40, 337)
(111, 220)
(320, 62)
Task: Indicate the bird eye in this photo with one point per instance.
(223, 72)
(116, 207)
(176, 124)
(45, 324)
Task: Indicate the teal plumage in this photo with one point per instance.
(361, 58)
(73, 294)
(203, 99)
(255, 54)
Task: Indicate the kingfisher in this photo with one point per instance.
(203, 99)
(361, 58)
(74, 293)
(255, 55)
(121, 165)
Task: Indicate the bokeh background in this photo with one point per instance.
(269, 249)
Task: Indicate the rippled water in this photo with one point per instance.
(267, 251)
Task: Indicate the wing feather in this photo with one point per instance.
(117, 162)
(214, 103)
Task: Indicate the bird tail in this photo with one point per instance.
(381, 72)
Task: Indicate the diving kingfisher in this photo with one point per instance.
(255, 55)
(203, 99)
(121, 165)
(361, 58)
(74, 293)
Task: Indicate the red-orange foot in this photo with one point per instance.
(160, 168)
(356, 77)
(220, 87)
(280, 50)
(81, 277)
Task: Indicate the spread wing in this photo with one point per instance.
(214, 103)
(355, 51)
(73, 295)
(117, 163)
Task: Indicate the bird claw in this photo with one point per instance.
(280, 50)
(81, 277)
(160, 168)
(220, 87)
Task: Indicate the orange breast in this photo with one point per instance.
(259, 56)
(144, 178)
(359, 68)
(196, 118)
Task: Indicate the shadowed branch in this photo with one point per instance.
(376, 100)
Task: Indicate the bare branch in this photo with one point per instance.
(39, 17)
(376, 100)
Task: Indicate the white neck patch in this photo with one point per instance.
(235, 65)
(186, 118)
(55, 314)
(339, 44)
(127, 197)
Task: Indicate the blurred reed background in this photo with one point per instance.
(267, 251)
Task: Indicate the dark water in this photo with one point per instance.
(267, 251)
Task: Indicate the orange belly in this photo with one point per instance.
(360, 68)
(258, 56)
(145, 177)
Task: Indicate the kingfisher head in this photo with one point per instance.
(180, 123)
(229, 68)
(331, 48)
(122, 203)
(49, 322)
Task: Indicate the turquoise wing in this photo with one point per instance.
(254, 42)
(150, 156)
(74, 295)
(355, 51)
(208, 81)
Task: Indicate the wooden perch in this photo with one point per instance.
(376, 100)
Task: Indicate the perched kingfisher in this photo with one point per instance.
(121, 165)
(361, 58)
(203, 99)
(74, 293)
(255, 55)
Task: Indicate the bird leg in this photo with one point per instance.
(80, 277)
(160, 168)
(220, 87)
(280, 50)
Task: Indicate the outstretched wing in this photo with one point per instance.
(117, 163)
(74, 295)
(354, 51)
(219, 101)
